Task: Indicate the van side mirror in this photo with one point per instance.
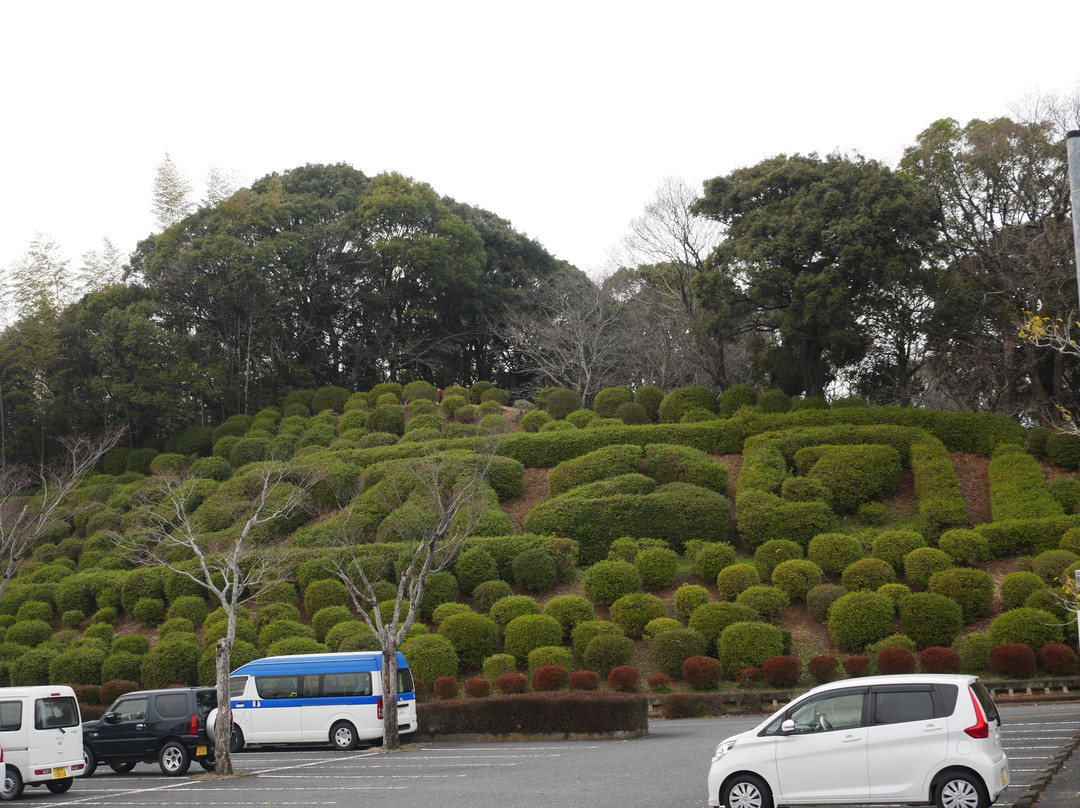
(787, 727)
(111, 718)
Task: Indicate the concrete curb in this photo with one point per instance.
(1042, 780)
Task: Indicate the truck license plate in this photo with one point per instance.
(59, 773)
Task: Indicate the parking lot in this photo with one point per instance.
(664, 770)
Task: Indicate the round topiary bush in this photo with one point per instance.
(530, 631)
(445, 687)
(687, 598)
(682, 400)
(535, 570)
(608, 400)
(632, 414)
(711, 558)
(748, 645)
(710, 619)
(632, 612)
(29, 633)
(32, 667)
(174, 661)
(504, 610)
(496, 665)
(587, 630)
(893, 545)
(702, 672)
(280, 611)
(774, 552)
(795, 578)
(823, 668)
(1016, 587)
(77, 666)
(869, 574)
(767, 601)
(441, 587)
(569, 610)
(860, 618)
(734, 579)
(121, 665)
(782, 671)
(972, 589)
(964, 546)
(510, 683)
(561, 403)
(550, 655)
(930, 619)
(659, 624)
(430, 656)
(607, 581)
(1015, 660)
(657, 567)
(895, 660)
(549, 678)
(327, 592)
(473, 567)
(921, 564)
(533, 420)
(149, 610)
(1057, 659)
(190, 607)
(821, 598)
(489, 593)
(584, 680)
(477, 688)
(1031, 627)
(1050, 565)
(328, 617)
(444, 610)
(607, 651)
(474, 637)
(940, 660)
(624, 679)
(280, 629)
(974, 650)
(337, 634)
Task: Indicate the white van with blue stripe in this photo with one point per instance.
(316, 698)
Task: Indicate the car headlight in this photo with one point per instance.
(723, 749)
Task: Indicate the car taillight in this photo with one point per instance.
(980, 729)
(378, 708)
(194, 725)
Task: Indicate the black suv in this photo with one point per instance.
(168, 726)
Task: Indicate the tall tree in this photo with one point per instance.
(100, 269)
(172, 194)
(219, 186)
(810, 244)
(40, 281)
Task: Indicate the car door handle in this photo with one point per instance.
(140, 726)
(932, 728)
(851, 738)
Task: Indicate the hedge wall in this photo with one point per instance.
(569, 712)
(1018, 487)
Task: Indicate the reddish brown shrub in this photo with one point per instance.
(512, 683)
(1013, 659)
(111, 691)
(624, 679)
(477, 688)
(748, 675)
(550, 677)
(1058, 659)
(895, 660)
(857, 665)
(420, 688)
(940, 660)
(702, 672)
(445, 687)
(823, 668)
(659, 681)
(584, 680)
(87, 694)
(782, 671)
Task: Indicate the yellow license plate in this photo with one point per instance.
(1003, 778)
(59, 773)
(200, 751)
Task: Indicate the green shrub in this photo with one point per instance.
(768, 601)
(659, 624)
(669, 463)
(748, 645)
(327, 592)
(868, 573)
(30, 633)
(761, 516)
(173, 661)
(633, 414)
(121, 665)
(610, 461)
(657, 567)
(894, 592)
(687, 598)
(853, 473)
(711, 558)
(1018, 487)
(280, 611)
(736, 396)
(682, 400)
(649, 399)
(581, 418)
(530, 631)
(607, 651)
(921, 564)
(1066, 492)
(974, 650)
(670, 649)
(1026, 626)
(860, 618)
(136, 644)
(508, 608)
(280, 629)
(775, 552)
(569, 610)
(77, 666)
(930, 619)
(211, 468)
(892, 546)
(632, 612)
(1050, 565)
(608, 400)
(474, 566)
(533, 420)
(444, 610)
(32, 667)
(1017, 586)
(587, 630)
(148, 582)
(535, 570)
(607, 581)
(430, 656)
(736, 578)
(36, 610)
(550, 655)
(964, 546)
(442, 587)
(796, 577)
(498, 665)
(387, 418)
(489, 592)
(821, 598)
(328, 617)
(191, 607)
(339, 632)
(834, 552)
(561, 403)
(474, 637)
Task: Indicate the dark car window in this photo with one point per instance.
(903, 705)
(131, 709)
(986, 702)
(55, 712)
(172, 705)
(205, 701)
(10, 716)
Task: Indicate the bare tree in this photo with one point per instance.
(29, 500)
(446, 498)
(230, 566)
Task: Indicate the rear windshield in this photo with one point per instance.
(55, 712)
(205, 701)
(404, 680)
(986, 702)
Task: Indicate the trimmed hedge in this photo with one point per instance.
(930, 619)
(860, 618)
(1018, 487)
(563, 712)
(971, 589)
(854, 474)
(671, 649)
(610, 461)
(748, 645)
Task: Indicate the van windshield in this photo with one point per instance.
(236, 686)
(55, 712)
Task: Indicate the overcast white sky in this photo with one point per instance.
(562, 117)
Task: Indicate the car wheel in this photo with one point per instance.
(746, 791)
(89, 760)
(343, 736)
(13, 784)
(173, 758)
(123, 767)
(59, 786)
(961, 790)
(236, 740)
(209, 764)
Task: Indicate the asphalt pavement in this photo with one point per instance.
(1058, 786)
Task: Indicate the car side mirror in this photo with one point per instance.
(788, 726)
(111, 718)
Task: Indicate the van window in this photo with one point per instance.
(404, 681)
(347, 684)
(237, 686)
(276, 687)
(54, 712)
(10, 716)
(896, 707)
(172, 705)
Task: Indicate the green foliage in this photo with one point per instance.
(930, 619)
(323, 593)
(530, 631)
(670, 649)
(892, 546)
(649, 399)
(587, 630)
(867, 573)
(710, 619)
(668, 463)
(430, 656)
(775, 552)
(242, 653)
(774, 401)
(490, 592)
(606, 652)
(658, 625)
(1018, 487)
(974, 650)
(212, 468)
(609, 461)
(30, 633)
(172, 661)
(853, 473)
(607, 581)
(736, 578)
(533, 420)
(1063, 450)
(444, 610)
(632, 612)
(682, 400)
(569, 610)
(1026, 626)
(632, 414)
(148, 582)
(711, 558)
(32, 667)
(326, 618)
(561, 403)
(821, 598)
(768, 601)
(736, 396)
(763, 516)
(135, 644)
(122, 665)
(441, 587)
(473, 636)
(497, 665)
(149, 610)
(687, 598)
(608, 400)
(535, 570)
(748, 645)
(964, 546)
(860, 618)
(1050, 565)
(1017, 586)
(805, 489)
(809, 403)
(340, 632)
(657, 567)
(1066, 492)
(937, 488)
(388, 418)
(921, 564)
(581, 418)
(796, 577)
(473, 566)
(509, 608)
(550, 655)
(834, 552)
(279, 629)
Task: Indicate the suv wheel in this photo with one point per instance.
(174, 759)
(59, 786)
(123, 767)
(89, 760)
(960, 790)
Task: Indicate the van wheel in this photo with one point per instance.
(343, 736)
(123, 767)
(173, 758)
(89, 760)
(960, 790)
(13, 784)
(746, 791)
(236, 740)
(59, 786)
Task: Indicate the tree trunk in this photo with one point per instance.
(223, 728)
(391, 738)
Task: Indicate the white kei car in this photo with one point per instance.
(879, 739)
